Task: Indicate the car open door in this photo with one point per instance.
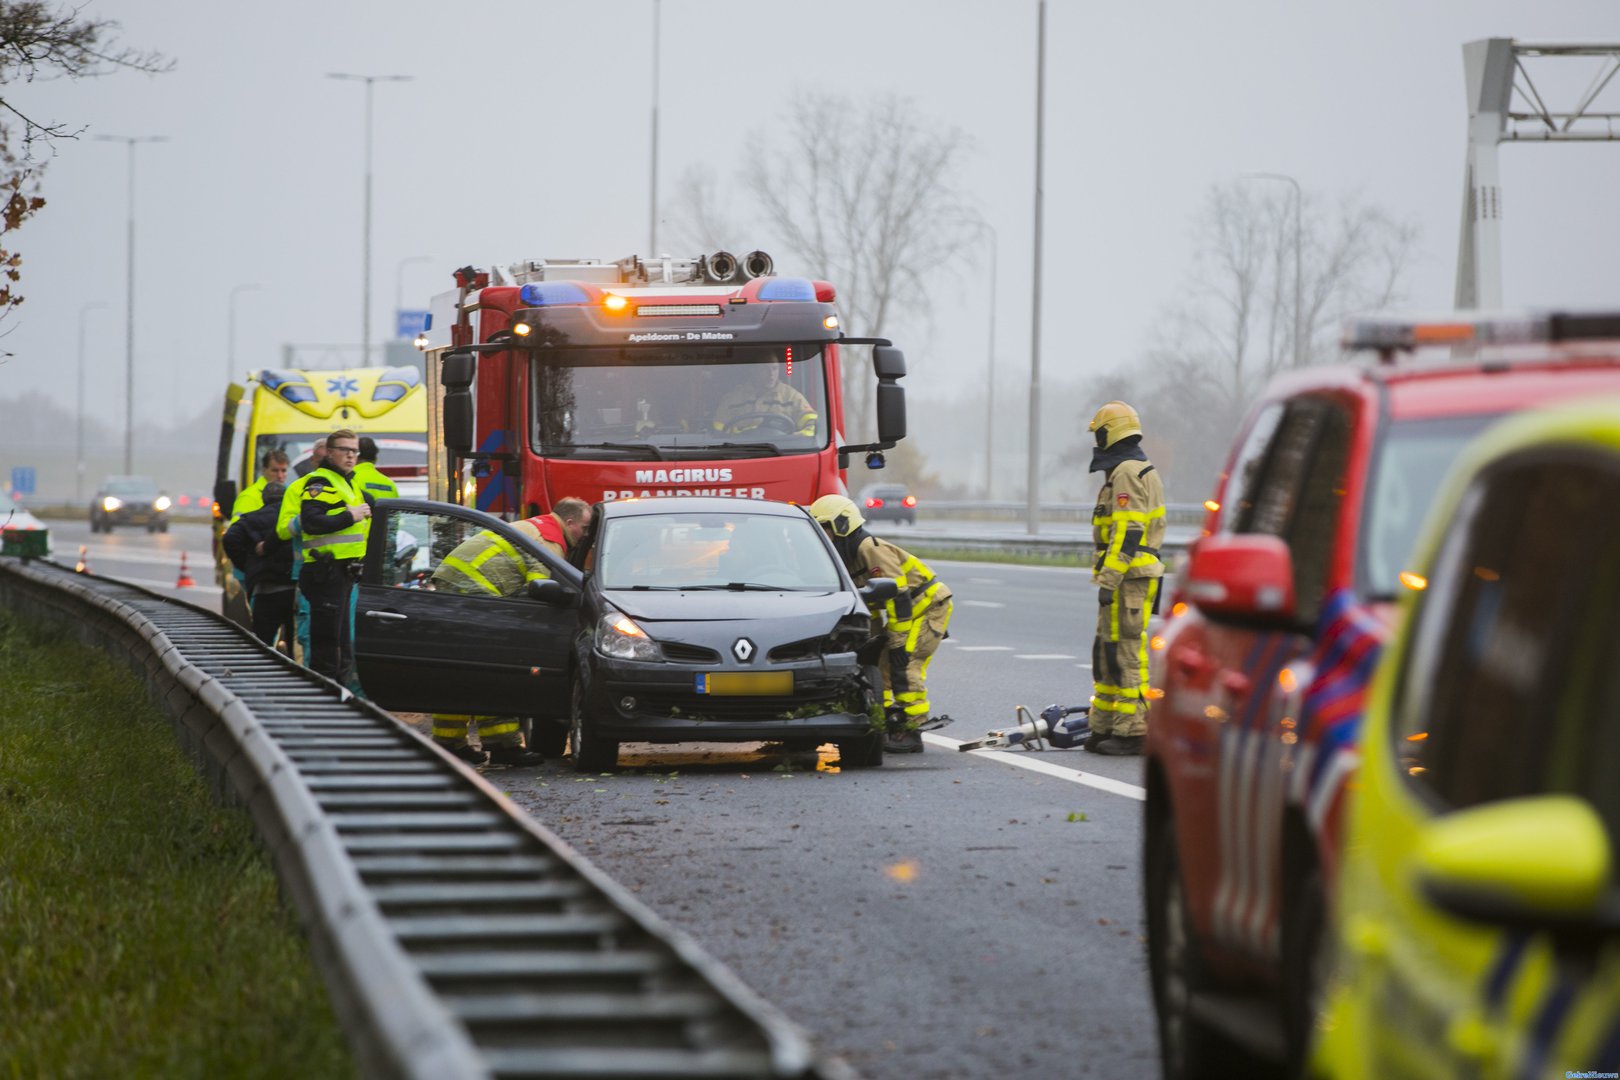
(426, 643)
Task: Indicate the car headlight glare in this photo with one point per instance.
(618, 636)
(161, 503)
(111, 503)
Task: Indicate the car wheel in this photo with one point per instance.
(1306, 956)
(1188, 1048)
(549, 737)
(152, 528)
(591, 752)
(864, 752)
(163, 527)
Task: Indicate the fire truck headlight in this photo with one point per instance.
(522, 329)
(830, 322)
(615, 302)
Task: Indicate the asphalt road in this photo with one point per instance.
(949, 915)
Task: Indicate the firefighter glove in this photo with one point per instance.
(1105, 597)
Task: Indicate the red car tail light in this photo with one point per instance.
(911, 500)
(873, 504)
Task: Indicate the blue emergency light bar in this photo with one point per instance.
(549, 293)
(788, 288)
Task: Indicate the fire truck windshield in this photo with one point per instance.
(681, 402)
(1413, 458)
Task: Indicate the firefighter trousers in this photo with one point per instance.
(450, 730)
(1119, 660)
(905, 661)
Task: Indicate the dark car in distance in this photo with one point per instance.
(887, 502)
(700, 619)
(129, 500)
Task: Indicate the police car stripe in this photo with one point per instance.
(1545, 1028)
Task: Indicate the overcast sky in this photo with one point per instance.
(525, 134)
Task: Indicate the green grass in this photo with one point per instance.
(141, 933)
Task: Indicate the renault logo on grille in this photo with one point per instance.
(743, 649)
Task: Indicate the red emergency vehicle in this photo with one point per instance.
(631, 378)
(1273, 633)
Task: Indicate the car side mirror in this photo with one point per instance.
(1244, 578)
(553, 592)
(1535, 863)
(880, 591)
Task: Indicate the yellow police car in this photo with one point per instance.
(1478, 909)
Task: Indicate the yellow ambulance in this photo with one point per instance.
(288, 409)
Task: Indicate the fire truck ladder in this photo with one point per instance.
(1505, 105)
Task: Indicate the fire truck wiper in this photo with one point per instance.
(770, 448)
(648, 450)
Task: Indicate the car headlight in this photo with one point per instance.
(618, 636)
(161, 503)
(111, 503)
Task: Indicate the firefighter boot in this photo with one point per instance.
(471, 755)
(519, 756)
(1121, 746)
(903, 742)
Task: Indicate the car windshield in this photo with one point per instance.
(714, 551)
(680, 402)
(1412, 461)
(131, 485)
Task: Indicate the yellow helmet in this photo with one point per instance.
(838, 513)
(1113, 422)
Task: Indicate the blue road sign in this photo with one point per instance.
(22, 479)
(408, 323)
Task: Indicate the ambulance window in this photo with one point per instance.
(1523, 697)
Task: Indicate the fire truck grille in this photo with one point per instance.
(654, 310)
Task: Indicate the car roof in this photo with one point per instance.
(1428, 388)
(697, 504)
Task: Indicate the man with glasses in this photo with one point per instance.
(334, 516)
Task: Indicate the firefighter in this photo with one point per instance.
(334, 517)
(1127, 527)
(486, 564)
(916, 619)
(759, 394)
(368, 476)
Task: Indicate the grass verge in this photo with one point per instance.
(141, 933)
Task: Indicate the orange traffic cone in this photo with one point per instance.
(83, 565)
(184, 581)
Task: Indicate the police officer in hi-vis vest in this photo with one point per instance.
(1127, 527)
(334, 517)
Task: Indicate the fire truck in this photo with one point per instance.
(643, 377)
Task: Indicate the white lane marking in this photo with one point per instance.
(1083, 667)
(1042, 656)
(1025, 759)
(984, 581)
(984, 648)
(980, 603)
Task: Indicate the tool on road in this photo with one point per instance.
(1064, 726)
(184, 580)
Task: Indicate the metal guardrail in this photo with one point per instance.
(1191, 514)
(457, 937)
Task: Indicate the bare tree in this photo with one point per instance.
(865, 195)
(38, 41)
(700, 218)
(1233, 329)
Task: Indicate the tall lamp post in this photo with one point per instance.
(230, 331)
(365, 275)
(1032, 509)
(129, 300)
(78, 471)
(1299, 265)
(990, 366)
(652, 226)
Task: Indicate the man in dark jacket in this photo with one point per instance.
(266, 564)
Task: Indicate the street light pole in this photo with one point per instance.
(652, 227)
(78, 471)
(1299, 265)
(230, 331)
(129, 300)
(365, 275)
(1032, 509)
(990, 382)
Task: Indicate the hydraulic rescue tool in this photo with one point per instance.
(1064, 726)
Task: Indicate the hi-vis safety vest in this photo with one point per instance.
(487, 563)
(1127, 525)
(370, 478)
(291, 501)
(250, 500)
(919, 588)
(337, 495)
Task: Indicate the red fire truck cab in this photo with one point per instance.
(635, 378)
